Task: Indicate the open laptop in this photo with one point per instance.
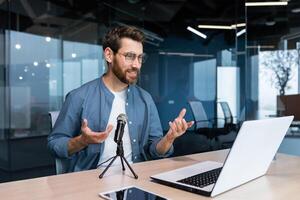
(250, 156)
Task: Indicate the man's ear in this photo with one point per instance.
(108, 54)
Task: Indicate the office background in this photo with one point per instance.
(49, 47)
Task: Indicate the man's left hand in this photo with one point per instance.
(178, 126)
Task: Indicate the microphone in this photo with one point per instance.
(121, 122)
(120, 127)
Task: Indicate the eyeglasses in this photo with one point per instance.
(130, 57)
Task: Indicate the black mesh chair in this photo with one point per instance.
(230, 127)
(202, 125)
(229, 124)
(223, 137)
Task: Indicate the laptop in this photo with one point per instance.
(249, 158)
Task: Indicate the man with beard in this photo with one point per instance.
(81, 135)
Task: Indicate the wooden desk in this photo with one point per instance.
(281, 182)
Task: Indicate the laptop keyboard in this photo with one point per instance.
(203, 179)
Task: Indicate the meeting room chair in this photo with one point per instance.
(229, 124)
(230, 127)
(208, 127)
(202, 124)
(60, 164)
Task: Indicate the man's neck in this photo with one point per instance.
(113, 83)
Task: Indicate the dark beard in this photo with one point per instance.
(122, 77)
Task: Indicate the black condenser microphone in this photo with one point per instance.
(120, 127)
(121, 123)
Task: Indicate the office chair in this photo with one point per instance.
(53, 117)
(60, 164)
(202, 125)
(208, 127)
(230, 128)
(229, 124)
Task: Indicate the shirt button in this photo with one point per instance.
(128, 90)
(130, 122)
(135, 157)
(134, 140)
(126, 104)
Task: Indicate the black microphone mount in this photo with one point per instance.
(120, 151)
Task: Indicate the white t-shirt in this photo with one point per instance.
(110, 147)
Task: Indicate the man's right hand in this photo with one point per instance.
(87, 137)
(91, 137)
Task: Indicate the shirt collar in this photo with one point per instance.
(105, 89)
(108, 92)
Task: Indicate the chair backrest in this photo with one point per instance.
(227, 112)
(53, 117)
(200, 117)
(60, 164)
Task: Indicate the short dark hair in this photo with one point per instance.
(113, 37)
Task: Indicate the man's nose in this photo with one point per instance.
(136, 63)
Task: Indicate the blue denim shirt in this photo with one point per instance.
(93, 101)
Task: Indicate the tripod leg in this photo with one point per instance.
(111, 162)
(134, 174)
(123, 167)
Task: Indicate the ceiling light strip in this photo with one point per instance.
(196, 32)
(225, 27)
(241, 32)
(215, 27)
(270, 3)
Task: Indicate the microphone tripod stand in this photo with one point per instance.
(119, 153)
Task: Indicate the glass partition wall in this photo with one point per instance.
(273, 60)
(273, 66)
(196, 51)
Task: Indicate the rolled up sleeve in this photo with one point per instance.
(66, 127)
(156, 134)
